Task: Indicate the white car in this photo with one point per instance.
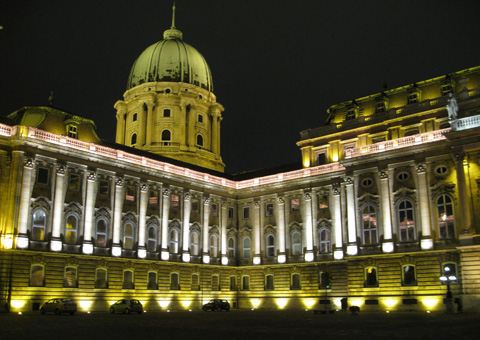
(126, 306)
(59, 306)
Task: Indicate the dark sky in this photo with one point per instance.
(277, 65)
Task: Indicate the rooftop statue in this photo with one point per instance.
(452, 107)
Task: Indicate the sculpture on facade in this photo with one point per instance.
(452, 107)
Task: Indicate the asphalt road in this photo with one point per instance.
(240, 324)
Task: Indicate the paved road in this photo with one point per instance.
(243, 324)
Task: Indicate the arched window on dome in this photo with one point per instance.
(166, 137)
(133, 140)
(200, 141)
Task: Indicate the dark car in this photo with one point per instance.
(217, 304)
(59, 306)
(126, 306)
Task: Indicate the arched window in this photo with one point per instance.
(128, 280)
(246, 282)
(214, 245)
(231, 248)
(371, 279)
(446, 224)
(269, 283)
(406, 221)
(101, 232)
(101, 278)
(296, 283)
(270, 245)
(194, 243)
(369, 217)
(173, 241)
(37, 276)
(324, 240)
(39, 224)
(128, 235)
(233, 283)
(71, 229)
(152, 238)
(296, 243)
(134, 139)
(152, 281)
(247, 248)
(174, 281)
(166, 137)
(70, 277)
(408, 275)
(199, 140)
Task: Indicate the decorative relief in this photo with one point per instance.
(143, 187)
(166, 192)
(61, 169)
(336, 191)
(256, 204)
(72, 261)
(307, 195)
(128, 265)
(281, 200)
(421, 168)
(207, 200)
(295, 270)
(29, 162)
(91, 176)
(408, 260)
(187, 196)
(119, 181)
(349, 180)
(370, 263)
(383, 174)
(101, 263)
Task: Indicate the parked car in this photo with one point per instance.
(59, 306)
(126, 306)
(217, 304)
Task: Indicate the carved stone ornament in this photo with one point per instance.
(459, 156)
(421, 168)
(166, 192)
(256, 204)
(206, 200)
(119, 182)
(91, 176)
(29, 162)
(383, 174)
(187, 196)
(143, 187)
(348, 180)
(281, 200)
(307, 195)
(61, 169)
(336, 191)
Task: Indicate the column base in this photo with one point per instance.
(257, 259)
(165, 255)
(282, 258)
(338, 254)
(87, 248)
(426, 244)
(186, 257)
(142, 252)
(224, 260)
(116, 250)
(309, 256)
(388, 247)
(55, 245)
(352, 249)
(22, 241)
(206, 259)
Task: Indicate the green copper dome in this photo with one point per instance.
(173, 60)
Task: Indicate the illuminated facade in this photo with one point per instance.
(387, 201)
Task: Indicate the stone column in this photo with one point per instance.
(426, 241)
(223, 226)
(186, 226)
(91, 195)
(149, 124)
(56, 243)
(117, 216)
(337, 222)
(282, 256)
(214, 140)
(257, 257)
(308, 222)
(25, 195)
(352, 248)
(120, 136)
(206, 217)
(165, 209)
(466, 236)
(387, 245)
(142, 220)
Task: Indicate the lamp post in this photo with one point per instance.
(448, 278)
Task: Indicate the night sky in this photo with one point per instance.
(277, 65)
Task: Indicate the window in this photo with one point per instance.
(324, 240)
(408, 275)
(174, 202)
(323, 202)
(101, 278)
(200, 118)
(214, 246)
(268, 209)
(247, 244)
(74, 182)
(103, 188)
(369, 218)
(321, 158)
(194, 243)
(72, 131)
(269, 283)
(245, 282)
(214, 210)
(231, 248)
(174, 281)
(231, 213)
(39, 224)
(403, 176)
(406, 221)
(380, 106)
(246, 213)
(195, 206)
(270, 245)
(215, 282)
(450, 271)
(128, 235)
(152, 238)
(166, 137)
(200, 140)
(133, 140)
(152, 281)
(441, 170)
(130, 193)
(371, 277)
(195, 282)
(351, 113)
(173, 241)
(367, 182)
(447, 88)
(325, 279)
(167, 112)
(134, 117)
(153, 197)
(37, 276)
(296, 282)
(295, 205)
(71, 225)
(70, 277)
(413, 97)
(296, 243)
(446, 225)
(233, 283)
(101, 233)
(378, 139)
(42, 176)
(128, 280)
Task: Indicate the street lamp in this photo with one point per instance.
(448, 277)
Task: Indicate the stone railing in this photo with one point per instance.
(465, 123)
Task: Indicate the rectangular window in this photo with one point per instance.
(380, 107)
(269, 282)
(200, 118)
(174, 282)
(296, 281)
(246, 283)
(214, 210)
(134, 117)
(295, 203)
(152, 281)
(321, 158)
(195, 207)
(246, 213)
(72, 131)
(325, 280)
(130, 193)
(166, 113)
(195, 282)
(101, 278)
(153, 197)
(70, 277)
(128, 280)
(103, 188)
(409, 277)
(412, 98)
(371, 277)
(268, 209)
(37, 276)
(74, 182)
(174, 202)
(42, 176)
(447, 89)
(215, 282)
(233, 283)
(231, 213)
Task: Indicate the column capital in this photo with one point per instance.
(336, 190)
(206, 200)
(281, 200)
(459, 156)
(61, 169)
(119, 182)
(29, 162)
(187, 196)
(383, 174)
(349, 180)
(256, 204)
(91, 176)
(307, 195)
(143, 187)
(421, 168)
(166, 192)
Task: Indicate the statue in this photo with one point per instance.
(452, 107)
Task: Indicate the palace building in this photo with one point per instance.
(384, 208)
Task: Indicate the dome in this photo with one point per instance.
(173, 60)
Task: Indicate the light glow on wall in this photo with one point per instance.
(17, 303)
(256, 260)
(142, 253)
(281, 259)
(55, 245)
(7, 241)
(87, 248)
(255, 303)
(186, 303)
(186, 257)
(335, 158)
(309, 257)
(356, 302)
(281, 303)
(85, 305)
(224, 260)
(430, 303)
(116, 251)
(164, 303)
(390, 303)
(22, 242)
(309, 303)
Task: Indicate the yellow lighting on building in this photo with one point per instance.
(306, 163)
(17, 303)
(335, 158)
(281, 303)
(186, 303)
(255, 302)
(85, 305)
(164, 303)
(390, 303)
(356, 302)
(430, 303)
(309, 303)
(7, 241)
